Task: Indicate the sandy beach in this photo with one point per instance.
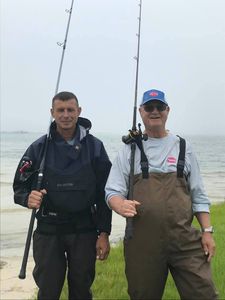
(11, 286)
(11, 257)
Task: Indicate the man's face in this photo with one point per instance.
(65, 114)
(154, 115)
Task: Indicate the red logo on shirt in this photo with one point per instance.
(171, 160)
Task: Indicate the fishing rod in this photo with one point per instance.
(134, 133)
(22, 274)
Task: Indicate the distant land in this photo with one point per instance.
(115, 133)
(19, 131)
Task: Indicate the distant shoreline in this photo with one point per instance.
(21, 132)
(203, 135)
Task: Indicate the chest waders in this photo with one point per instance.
(163, 239)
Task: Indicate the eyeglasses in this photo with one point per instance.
(151, 107)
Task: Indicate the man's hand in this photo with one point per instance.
(102, 246)
(124, 207)
(35, 198)
(208, 245)
(128, 208)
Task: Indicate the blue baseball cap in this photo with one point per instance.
(153, 95)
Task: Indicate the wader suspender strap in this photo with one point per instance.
(180, 163)
(144, 160)
(181, 158)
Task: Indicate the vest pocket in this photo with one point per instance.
(70, 193)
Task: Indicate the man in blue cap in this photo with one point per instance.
(162, 209)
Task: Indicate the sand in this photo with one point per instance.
(11, 286)
(13, 236)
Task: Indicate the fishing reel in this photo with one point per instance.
(134, 135)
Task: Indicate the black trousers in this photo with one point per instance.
(56, 254)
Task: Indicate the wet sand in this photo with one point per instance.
(11, 286)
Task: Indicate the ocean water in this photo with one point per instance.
(210, 151)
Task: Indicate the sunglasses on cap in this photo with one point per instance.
(151, 107)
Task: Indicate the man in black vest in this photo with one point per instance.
(73, 220)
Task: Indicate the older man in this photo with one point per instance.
(162, 210)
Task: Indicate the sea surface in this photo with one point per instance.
(210, 151)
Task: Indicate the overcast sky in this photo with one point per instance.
(182, 53)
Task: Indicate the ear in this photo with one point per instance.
(140, 110)
(51, 111)
(79, 110)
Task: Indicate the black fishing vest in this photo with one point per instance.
(73, 189)
(69, 193)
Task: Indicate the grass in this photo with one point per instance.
(218, 263)
(110, 281)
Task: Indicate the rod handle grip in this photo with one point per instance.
(22, 274)
(129, 229)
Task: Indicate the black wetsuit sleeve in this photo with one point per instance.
(24, 182)
(104, 214)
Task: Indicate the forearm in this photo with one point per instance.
(103, 215)
(21, 198)
(115, 203)
(203, 219)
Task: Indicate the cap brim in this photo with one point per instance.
(149, 100)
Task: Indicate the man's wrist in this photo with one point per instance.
(207, 229)
(105, 234)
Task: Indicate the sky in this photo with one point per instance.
(182, 53)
